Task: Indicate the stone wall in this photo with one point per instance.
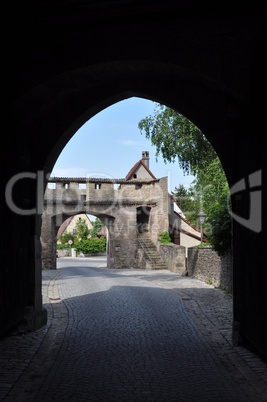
(116, 206)
(65, 252)
(49, 242)
(205, 264)
(174, 256)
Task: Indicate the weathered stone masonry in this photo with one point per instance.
(116, 207)
(205, 264)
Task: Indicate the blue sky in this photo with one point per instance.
(110, 143)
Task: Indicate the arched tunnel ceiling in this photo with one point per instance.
(63, 36)
(72, 59)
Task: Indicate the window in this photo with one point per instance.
(135, 176)
(66, 185)
(52, 186)
(97, 186)
(83, 197)
(82, 186)
(138, 186)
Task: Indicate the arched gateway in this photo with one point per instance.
(119, 207)
(72, 59)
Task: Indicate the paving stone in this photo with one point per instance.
(115, 335)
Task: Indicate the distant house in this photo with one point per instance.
(103, 232)
(69, 225)
(181, 230)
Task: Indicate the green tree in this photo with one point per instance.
(177, 137)
(220, 224)
(63, 239)
(206, 190)
(82, 229)
(184, 198)
(97, 225)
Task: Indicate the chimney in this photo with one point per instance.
(145, 158)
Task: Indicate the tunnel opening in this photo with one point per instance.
(171, 60)
(82, 235)
(70, 234)
(182, 226)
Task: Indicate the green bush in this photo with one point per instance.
(164, 238)
(63, 246)
(204, 244)
(91, 246)
(64, 240)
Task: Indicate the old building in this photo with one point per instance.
(69, 226)
(127, 210)
(140, 206)
(180, 229)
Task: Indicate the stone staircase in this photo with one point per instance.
(147, 253)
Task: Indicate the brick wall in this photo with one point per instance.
(205, 264)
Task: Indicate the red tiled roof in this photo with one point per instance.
(131, 172)
(172, 197)
(102, 231)
(64, 226)
(190, 224)
(184, 219)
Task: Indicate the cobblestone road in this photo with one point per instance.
(129, 336)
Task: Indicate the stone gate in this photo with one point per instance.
(126, 207)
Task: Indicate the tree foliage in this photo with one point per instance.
(91, 246)
(206, 189)
(97, 226)
(220, 224)
(64, 238)
(184, 199)
(164, 238)
(87, 241)
(177, 137)
(82, 229)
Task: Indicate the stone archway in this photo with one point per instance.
(115, 207)
(49, 238)
(206, 64)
